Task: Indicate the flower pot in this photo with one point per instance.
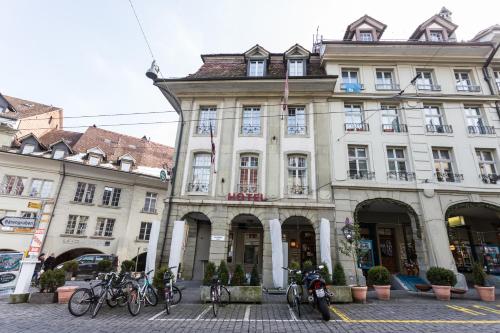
(64, 293)
(487, 294)
(359, 294)
(383, 292)
(443, 293)
(43, 298)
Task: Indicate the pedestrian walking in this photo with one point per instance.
(49, 262)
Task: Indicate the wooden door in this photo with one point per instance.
(387, 246)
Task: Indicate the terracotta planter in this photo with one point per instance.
(383, 292)
(359, 294)
(487, 294)
(64, 294)
(443, 293)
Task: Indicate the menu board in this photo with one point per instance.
(10, 265)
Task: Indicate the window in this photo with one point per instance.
(497, 78)
(84, 192)
(396, 158)
(297, 175)
(13, 185)
(251, 120)
(464, 82)
(76, 225)
(94, 160)
(256, 68)
(41, 188)
(125, 165)
(354, 119)
(208, 115)
(111, 196)
(249, 169)
(366, 36)
(436, 36)
(385, 81)
(296, 120)
(434, 120)
(145, 231)
(104, 227)
(443, 166)
(28, 148)
(425, 80)
(59, 154)
(487, 168)
(150, 202)
(358, 162)
(201, 173)
(390, 119)
(296, 67)
(251, 251)
(475, 121)
(350, 76)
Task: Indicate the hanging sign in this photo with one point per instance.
(18, 222)
(35, 205)
(456, 221)
(218, 238)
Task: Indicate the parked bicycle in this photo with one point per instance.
(294, 290)
(219, 295)
(173, 294)
(139, 295)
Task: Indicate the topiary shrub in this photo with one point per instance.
(440, 276)
(254, 276)
(338, 276)
(223, 273)
(478, 275)
(104, 266)
(209, 273)
(378, 276)
(127, 266)
(298, 276)
(238, 278)
(51, 280)
(70, 266)
(325, 273)
(158, 279)
(307, 266)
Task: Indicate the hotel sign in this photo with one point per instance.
(245, 197)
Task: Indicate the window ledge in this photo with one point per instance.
(138, 240)
(109, 206)
(72, 236)
(439, 134)
(102, 237)
(155, 212)
(198, 193)
(81, 203)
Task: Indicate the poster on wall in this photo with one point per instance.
(10, 265)
(365, 259)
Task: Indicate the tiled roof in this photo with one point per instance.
(27, 108)
(54, 136)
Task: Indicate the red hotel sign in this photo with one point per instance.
(245, 197)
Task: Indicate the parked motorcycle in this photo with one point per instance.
(317, 294)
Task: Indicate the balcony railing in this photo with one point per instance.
(449, 177)
(400, 128)
(198, 187)
(387, 86)
(401, 175)
(4, 189)
(344, 86)
(298, 190)
(361, 127)
(469, 88)
(431, 87)
(247, 188)
(250, 130)
(297, 130)
(355, 174)
(439, 128)
(483, 130)
(489, 178)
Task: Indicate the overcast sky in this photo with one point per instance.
(89, 57)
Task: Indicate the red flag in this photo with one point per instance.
(212, 159)
(285, 97)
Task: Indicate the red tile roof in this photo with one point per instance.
(27, 108)
(54, 136)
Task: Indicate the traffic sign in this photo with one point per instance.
(163, 175)
(35, 205)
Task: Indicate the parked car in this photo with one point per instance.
(87, 263)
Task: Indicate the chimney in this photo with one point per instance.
(445, 13)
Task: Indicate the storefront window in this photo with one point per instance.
(251, 249)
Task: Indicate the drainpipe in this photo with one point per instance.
(487, 77)
(177, 106)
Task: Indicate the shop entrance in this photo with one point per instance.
(299, 233)
(196, 246)
(478, 240)
(388, 231)
(245, 243)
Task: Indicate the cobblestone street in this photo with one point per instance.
(409, 315)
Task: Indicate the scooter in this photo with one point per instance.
(317, 294)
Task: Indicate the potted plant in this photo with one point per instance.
(158, 281)
(442, 280)
(49, 282)
(341, 291)
(325, 274)
(70, 267)
(104, 266)
(127, 266)
(254, 276)
(209, 273)
(379, 278)
(486, 293)
(238, 278)
(223, 273)
(351, 248)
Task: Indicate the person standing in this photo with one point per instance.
(49, 262)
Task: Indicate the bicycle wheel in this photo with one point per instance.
(151, 296)
(297, 304)
(99, 303)
(111, 298)
(176, 295)
(134, 301)
(290, 296)
(225, 296)
(214, 298)
(80, 302)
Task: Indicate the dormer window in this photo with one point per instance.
(436, 36)
(94, 160)
(366, 36)
(28, 148)
(126, 162)
(58, 154)
(296, 67)
(125, 165)
(256, 67)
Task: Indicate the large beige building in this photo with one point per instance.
(395, 135)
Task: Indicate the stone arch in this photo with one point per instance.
(301, 232)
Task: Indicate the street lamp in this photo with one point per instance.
(348, 230)
(153, 71)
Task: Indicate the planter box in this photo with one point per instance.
(43, 298)
(64, 293)
(341, 294)
(240, 294)
(18, 298)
